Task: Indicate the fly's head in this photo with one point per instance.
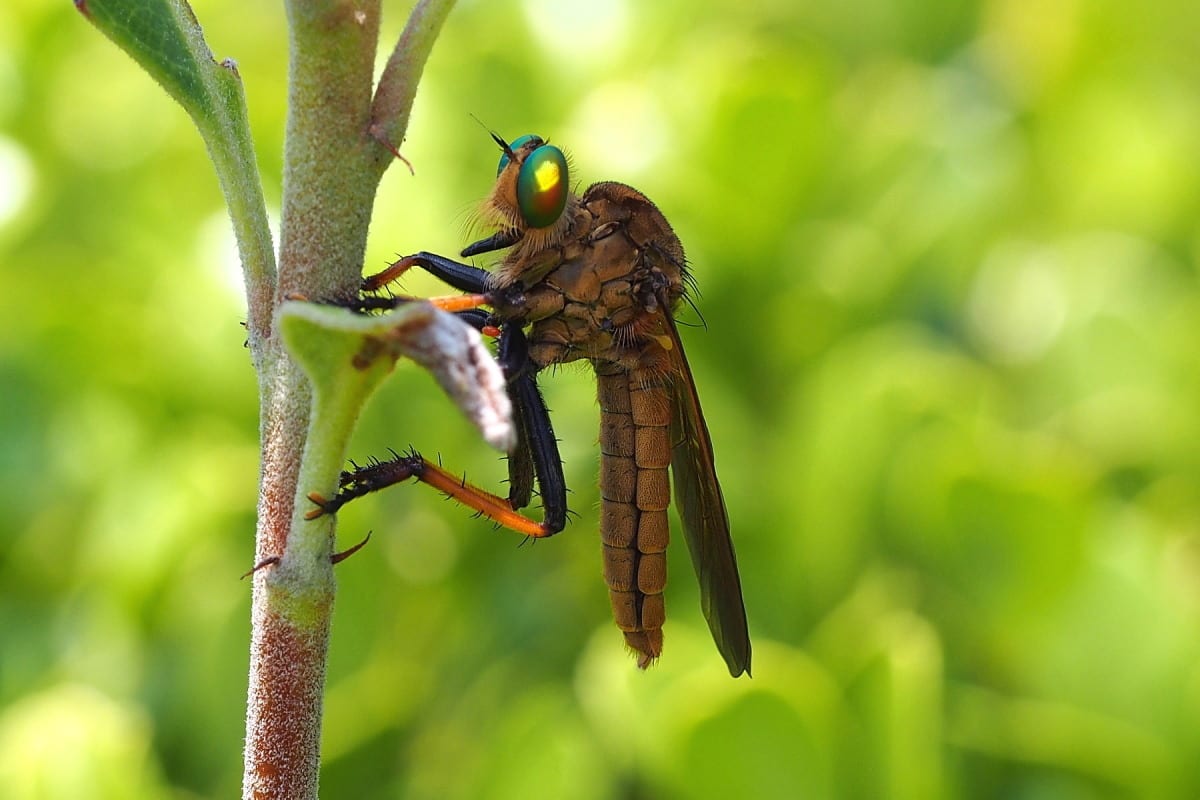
(532, 192)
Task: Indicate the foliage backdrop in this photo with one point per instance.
(947, 252)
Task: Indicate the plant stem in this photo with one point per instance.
(328, 185)
(333, 163)
(335, 154)
(329, 189)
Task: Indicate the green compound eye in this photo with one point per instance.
(542, 185)
(514, 147)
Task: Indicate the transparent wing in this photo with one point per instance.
(702, 509)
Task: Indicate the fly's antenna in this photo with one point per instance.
(481, 123)
(497, 138)
(503, 146)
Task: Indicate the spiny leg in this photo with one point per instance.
(461, 276)
(453, 303)
(536, 447)
(382, 474)
(513, 357)
(508, 301)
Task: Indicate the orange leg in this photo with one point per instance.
(459, 302)
(463, 277)
(450, 302)
(477, 298)
(373, 283)
(380, 475)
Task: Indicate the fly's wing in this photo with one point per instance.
(702, 509)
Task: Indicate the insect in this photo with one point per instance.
(596, 277)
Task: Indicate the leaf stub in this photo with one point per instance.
(343, 352)
(454, 352)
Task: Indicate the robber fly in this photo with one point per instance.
(595, 277)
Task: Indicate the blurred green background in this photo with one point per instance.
(947, 254)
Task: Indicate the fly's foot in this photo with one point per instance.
(359, 481)
(323, 506)
(370, 302)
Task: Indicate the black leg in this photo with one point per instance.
(514, 359)
(521, 471)
(477, 318)
(463, 277)
(513, 355)
(497, 241)
(536, 440)
(536, 457)
(543, 446)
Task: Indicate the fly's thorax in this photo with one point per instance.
(618, 207)
(595, 287)
(591, 318)
(617, 321)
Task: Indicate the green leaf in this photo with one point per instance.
(166, 40)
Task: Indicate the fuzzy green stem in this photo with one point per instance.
(237, 170)
(329, 180)
(329, 189)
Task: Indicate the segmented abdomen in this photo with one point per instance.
(635, 452)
